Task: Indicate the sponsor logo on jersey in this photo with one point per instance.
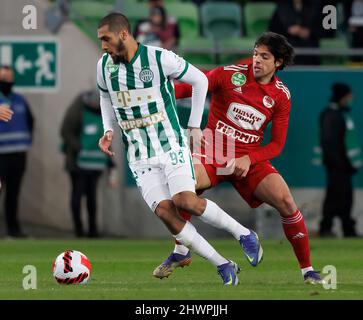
(268, 102)
(236, 134)
(142, 122)
(245, 116)
(111, 67)
(238, 79)
(146, 75)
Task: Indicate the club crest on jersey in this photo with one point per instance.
(268, 102)
(146, 75)
(238, 79)
(111, 67)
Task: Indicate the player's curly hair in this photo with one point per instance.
(278, 45)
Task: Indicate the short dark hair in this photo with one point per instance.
(116, 21)
(278, 45)
(339, 91)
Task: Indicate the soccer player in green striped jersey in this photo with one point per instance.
(136, 87)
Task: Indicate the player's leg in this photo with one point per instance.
(155, 191)
(202, 182)
(181, 256)
(185, 232)
(274, 191)
(208, 211)
(186, 199)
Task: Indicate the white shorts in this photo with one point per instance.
(160, 178)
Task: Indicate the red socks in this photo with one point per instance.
(295, 231)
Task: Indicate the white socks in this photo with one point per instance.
(181, 249)
(190, 238)
(216, 217)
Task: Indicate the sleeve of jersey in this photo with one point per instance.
(199, 83)
(184, 90)
(177, 68)
(280, 121)
(108, 115)
(101, 77)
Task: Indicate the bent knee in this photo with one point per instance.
(165, 209)
(287, 204)
(186, 201)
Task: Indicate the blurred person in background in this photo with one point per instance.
(81, 129)
(159, 29)
(341, 158)
(300, 22)
(355, 23)
(15, 141)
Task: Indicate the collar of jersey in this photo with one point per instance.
(138, 51)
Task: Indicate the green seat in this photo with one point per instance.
(333, 43)
(257, 17)
(198, 51)
(135, 12)
(187, 16)
(91, 9)
(232, 49)
(87, 13)
(220, 20)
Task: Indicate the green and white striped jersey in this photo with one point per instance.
(142, 96)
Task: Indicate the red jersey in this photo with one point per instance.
(241, 108)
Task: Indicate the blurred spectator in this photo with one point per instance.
(81, 130)
(159, 30)
(355, 24)
(300, 22)
(15, 141)
(341, 158)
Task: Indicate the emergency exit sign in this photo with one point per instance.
(34, 60)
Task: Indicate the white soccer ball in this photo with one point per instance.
(72, 267)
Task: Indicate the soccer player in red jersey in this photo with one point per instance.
(245, 99)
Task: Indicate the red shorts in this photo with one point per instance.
(244, 186)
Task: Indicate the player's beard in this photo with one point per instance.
(119, 56)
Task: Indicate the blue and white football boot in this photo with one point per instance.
(228, 272)
(252, 248)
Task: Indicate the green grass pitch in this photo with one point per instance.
(121, 269)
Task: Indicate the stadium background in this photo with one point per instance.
(44, 209)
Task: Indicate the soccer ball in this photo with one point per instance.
(72, 267)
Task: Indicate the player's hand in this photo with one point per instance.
(105, 143)
(241, 166)
(5, 113)
(196, 139)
